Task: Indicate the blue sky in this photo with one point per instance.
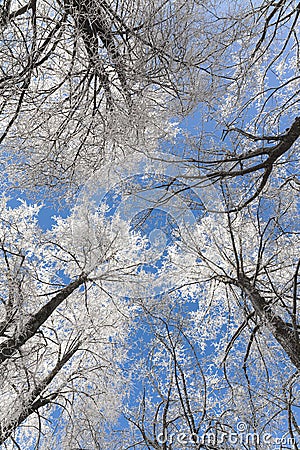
(158, 224)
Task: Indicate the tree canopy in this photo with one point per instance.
(159, 309)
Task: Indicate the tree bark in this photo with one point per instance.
(10, 346)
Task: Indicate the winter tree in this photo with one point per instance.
(162, 311)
